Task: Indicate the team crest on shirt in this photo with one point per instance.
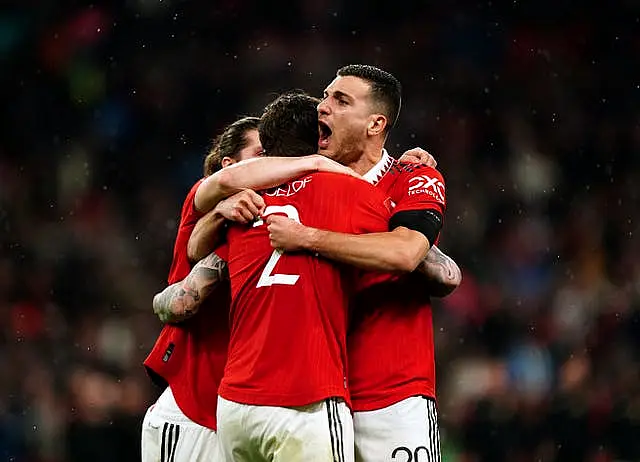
(424, 184)
(289, 189)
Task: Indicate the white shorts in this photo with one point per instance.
(406, 431)
(170, 436)
(320, 432)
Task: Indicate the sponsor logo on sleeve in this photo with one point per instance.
(423, 184)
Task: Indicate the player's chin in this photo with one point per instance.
(326, 150)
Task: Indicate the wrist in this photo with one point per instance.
(216, 213)
(311, 239)
(315, 162)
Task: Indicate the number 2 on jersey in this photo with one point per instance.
(267, 278)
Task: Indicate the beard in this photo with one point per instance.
(349, 149)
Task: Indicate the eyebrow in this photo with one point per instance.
(339, 94)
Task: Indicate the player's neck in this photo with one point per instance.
(367, 160)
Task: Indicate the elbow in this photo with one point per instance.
(159, 310)
(156, 302)
(226, 181)
(448, 283)
(456, 279)
(215, 188)
(223, 178)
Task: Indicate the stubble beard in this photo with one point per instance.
(350, 150)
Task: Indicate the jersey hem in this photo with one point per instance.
(282, 400)
(211, 425)
(380, 401)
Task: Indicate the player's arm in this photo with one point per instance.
(414, 226)
(205, 236)
(260, 173)
(242, 207)
(399, 250)
(443, 275)
(182, 300)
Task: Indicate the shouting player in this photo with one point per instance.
(391, 352)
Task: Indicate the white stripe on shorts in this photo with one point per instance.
(434, 434)
(335, 430)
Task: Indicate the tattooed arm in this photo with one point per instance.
(442, 273)
(181, 300)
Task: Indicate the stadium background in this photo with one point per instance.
(531, 109)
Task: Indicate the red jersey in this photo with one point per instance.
(288, 311)
(391, 352)
(190, 356)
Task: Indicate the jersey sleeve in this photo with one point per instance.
(180, 265)
(419, 196)
(420, 189)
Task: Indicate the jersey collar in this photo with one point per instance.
(377, 171)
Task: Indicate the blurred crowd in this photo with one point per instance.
(531, 110)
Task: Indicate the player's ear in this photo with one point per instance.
(226, 161)
(377, 124)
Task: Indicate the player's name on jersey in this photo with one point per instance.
(289, 189)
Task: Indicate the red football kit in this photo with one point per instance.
(190, 356)
(288, 311)
(390, 344)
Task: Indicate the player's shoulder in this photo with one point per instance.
(192, 192)
(406, 172)
(339, 180)
(188, 206)
(331, 176)
(408, 169)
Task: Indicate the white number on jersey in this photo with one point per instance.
(266, 278)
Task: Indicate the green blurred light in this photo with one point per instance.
(86, 83)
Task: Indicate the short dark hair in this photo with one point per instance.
(385, 88)
(229, 143)
(289, 126)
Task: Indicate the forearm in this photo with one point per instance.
(256, 174)
(206, 235)
(182, 300)
(400, 250)
(442, 273)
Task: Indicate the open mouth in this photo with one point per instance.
(324, 134)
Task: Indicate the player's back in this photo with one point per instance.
(288, 314)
